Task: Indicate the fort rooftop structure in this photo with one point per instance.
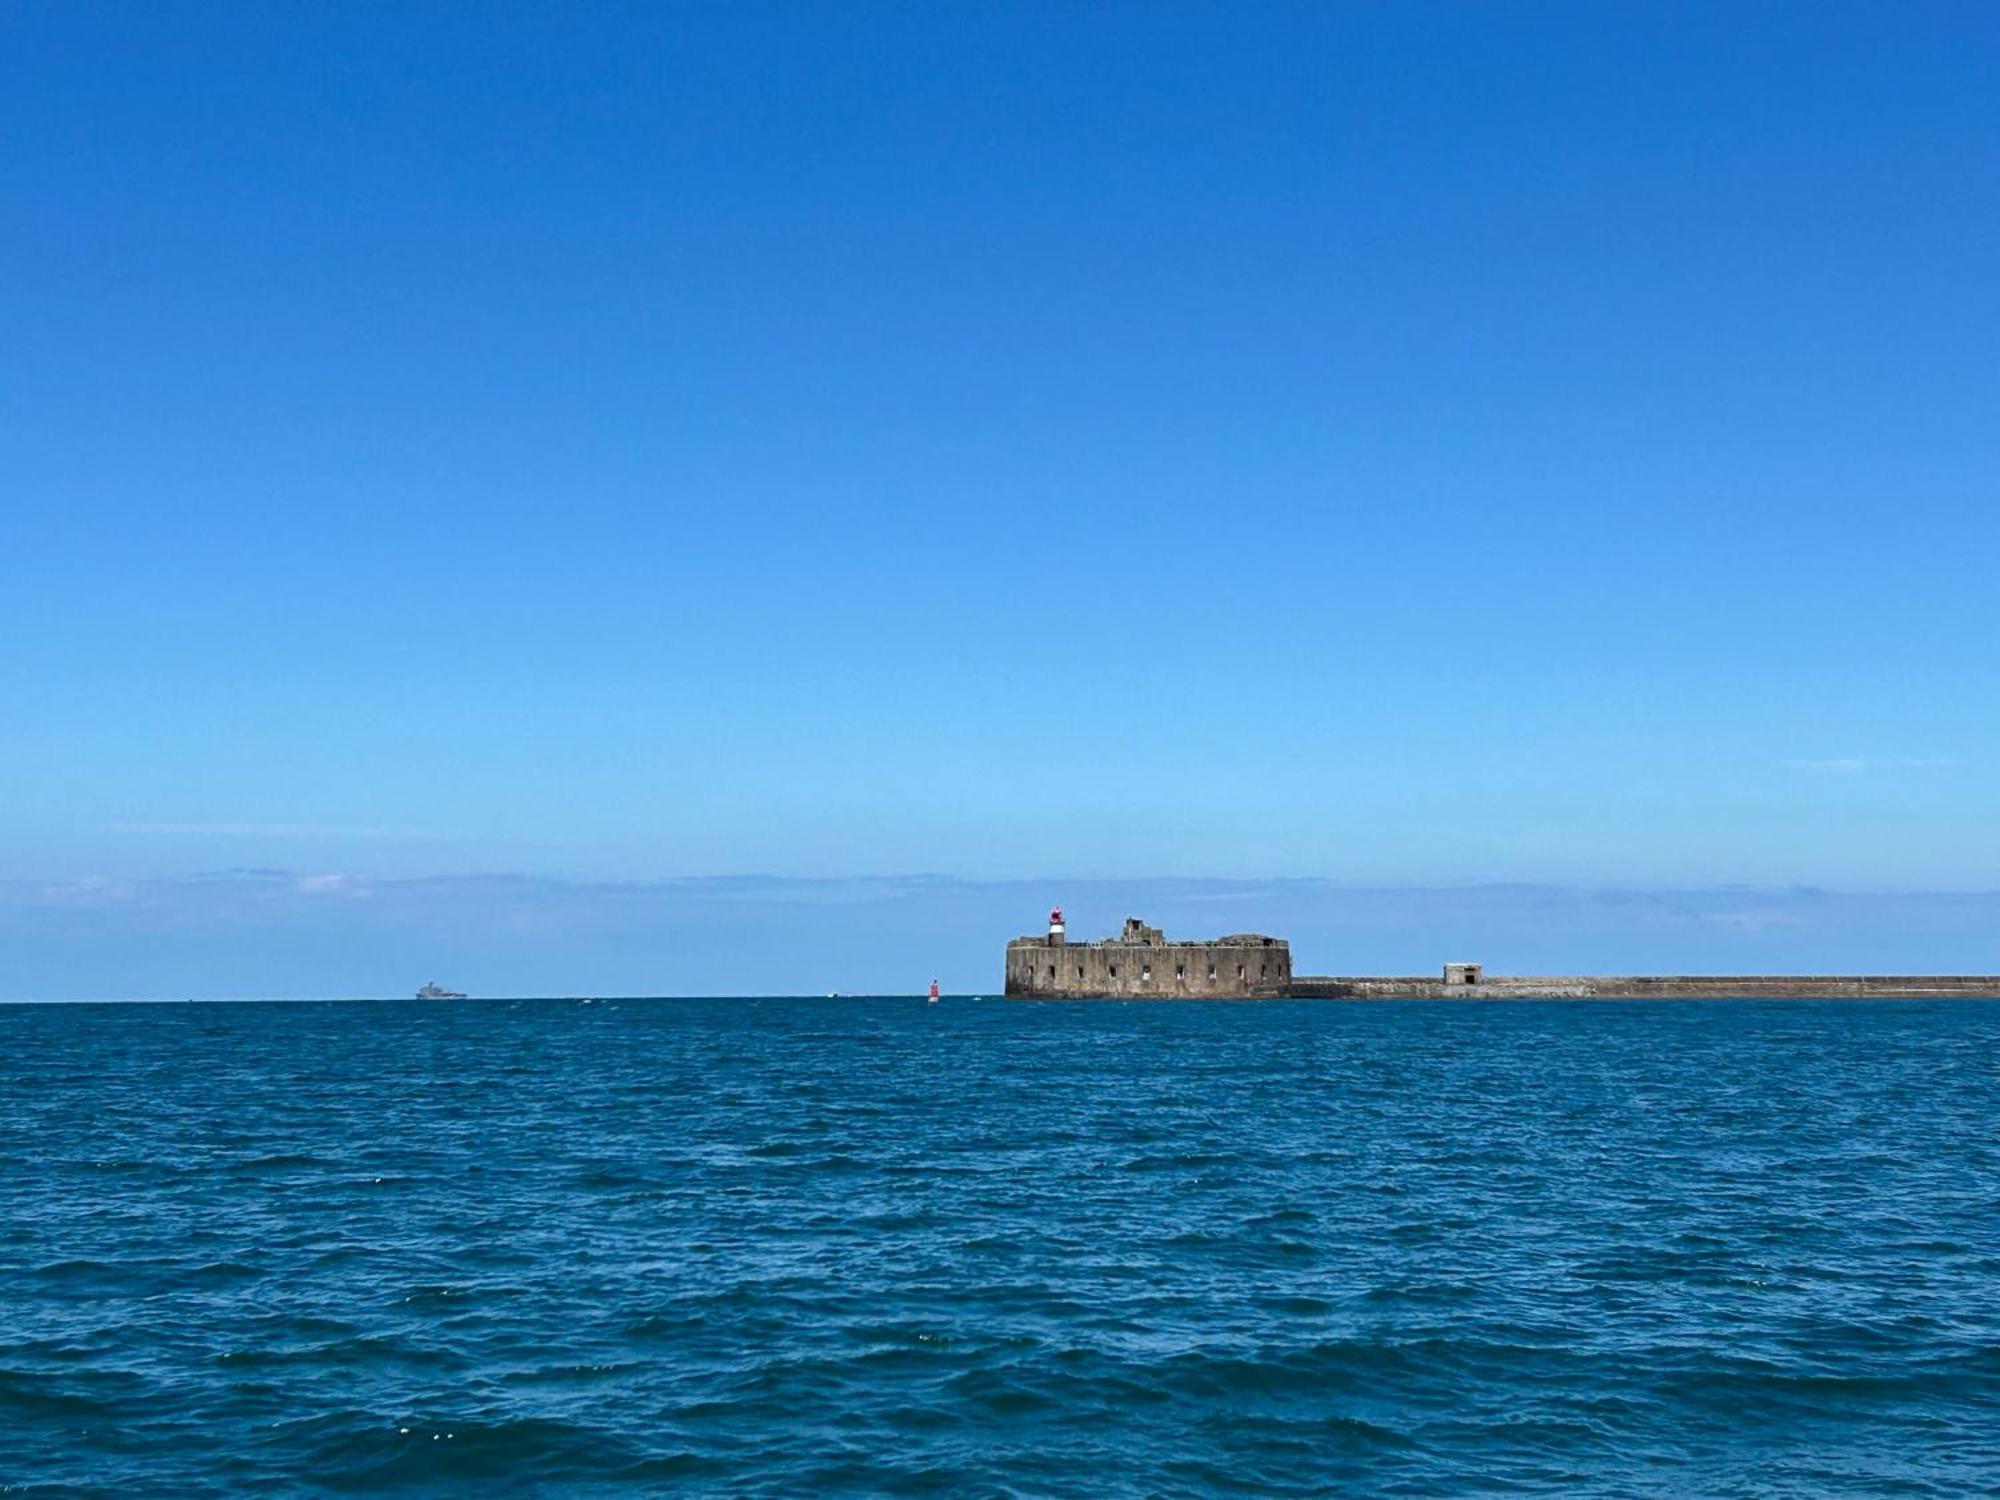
(1140, 964)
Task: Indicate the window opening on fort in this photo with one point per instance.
(1145, 971)
(1180, 971)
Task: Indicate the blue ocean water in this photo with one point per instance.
(803, 1247)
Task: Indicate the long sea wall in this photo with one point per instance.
(1652, 987)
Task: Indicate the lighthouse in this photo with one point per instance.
(1055, 925)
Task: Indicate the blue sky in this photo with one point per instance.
(1409, 447)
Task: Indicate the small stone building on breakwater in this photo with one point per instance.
(1141, 964)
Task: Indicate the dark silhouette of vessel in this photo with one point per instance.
(436, 991)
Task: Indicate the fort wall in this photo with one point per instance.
(1247, 967)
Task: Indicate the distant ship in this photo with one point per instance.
(435, 991)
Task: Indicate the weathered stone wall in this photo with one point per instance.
(1259, 968)
(1653, 987)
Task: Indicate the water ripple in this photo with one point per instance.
(785, 1247)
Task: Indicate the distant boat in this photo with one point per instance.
(436, 991)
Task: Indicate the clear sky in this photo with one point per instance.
(1409, 445)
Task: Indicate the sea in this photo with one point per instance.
(810, 1247)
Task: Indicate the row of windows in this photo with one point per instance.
(1180, 972)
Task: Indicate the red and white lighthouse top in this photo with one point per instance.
(1055, 917)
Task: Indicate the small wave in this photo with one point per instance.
(31, 1394)
(355, 1451)
(279, 1161)
(1180, 1162)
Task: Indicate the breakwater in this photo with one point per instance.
(1650, 987)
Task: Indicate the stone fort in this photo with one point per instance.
(1140, 964)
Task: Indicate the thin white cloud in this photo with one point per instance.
(322, 884)
(267, 831)
(1855, 765)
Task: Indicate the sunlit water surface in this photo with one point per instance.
(814, 1246)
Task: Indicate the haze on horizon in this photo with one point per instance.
(1402, 450)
